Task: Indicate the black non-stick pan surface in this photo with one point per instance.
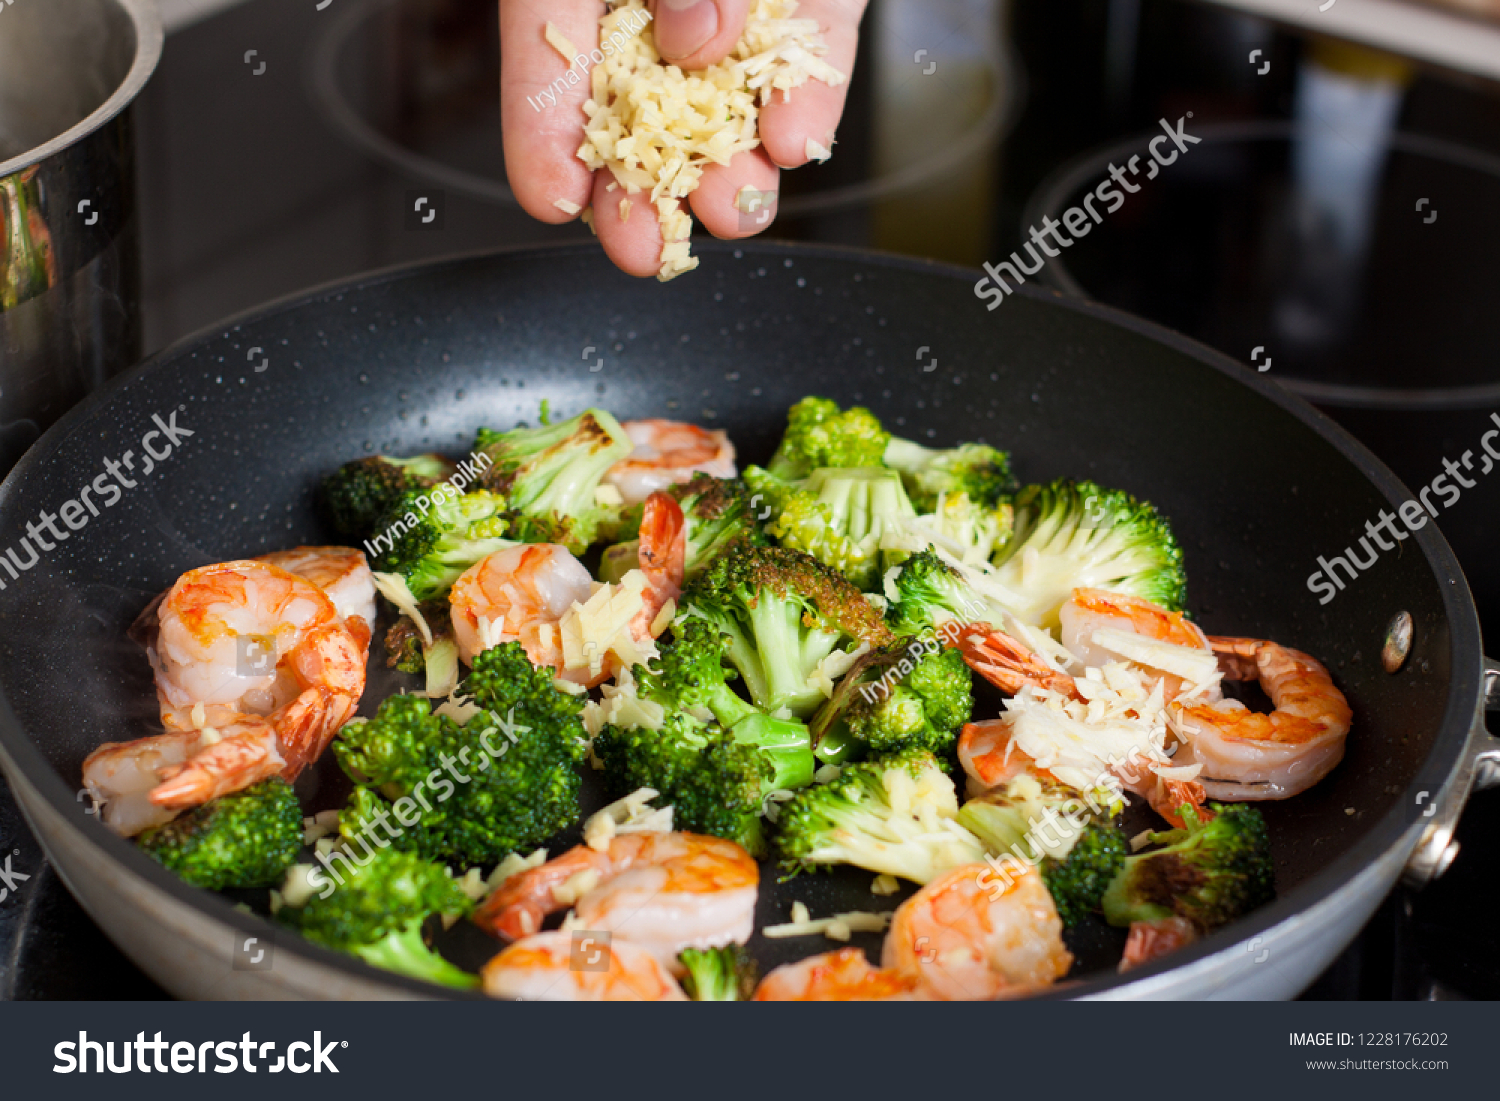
(1257, 486)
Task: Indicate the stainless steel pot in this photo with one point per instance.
(69, 251)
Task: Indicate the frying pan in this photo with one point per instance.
(1258, 485)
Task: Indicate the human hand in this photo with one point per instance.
(541, 142)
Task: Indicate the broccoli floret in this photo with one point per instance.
(1078, 880)
(725, 974)
(690, 674)
(504, 781)
(435, 536)
(930, 591)
(818, 434)
(358, 494)
(247, 838)
(378, 911)
(712, 782)
(1209, 873)
(549, 475)
(895, 697)
(977, 470)
(785, 613)
(1078, 534)
(967, 532)
(713, 756)
(716, 514)
(884, 815)
(838, 516)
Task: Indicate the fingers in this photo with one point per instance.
(632, 240)
(714, 203)
(695, 33)
(814, 109)
(540, 107)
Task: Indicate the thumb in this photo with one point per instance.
(696, 33)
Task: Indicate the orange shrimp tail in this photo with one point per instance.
(662, 555)
(1007, 664)
(229, 765)
(304, 729)
(1169, 798)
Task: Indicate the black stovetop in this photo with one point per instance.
(249, 191)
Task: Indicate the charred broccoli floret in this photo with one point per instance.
(895, 697)
(837, 515)
(883, 814)
(785, 613)
(725, 974)
(976, 470)
(404, 647)
(377, 914)
(1078, 534)
(504, 781)
(357, 495)
(549, 475)
(247, 838)
(1209, 873)
(433, 536)
(819, 434)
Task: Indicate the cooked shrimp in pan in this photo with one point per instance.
(969, 935)
(841, 976)
(123, 775)
(1247, 755)
(1150, 940)
(513, 595)
(663, 891)
(1088, 611)
(666, 453)
(255, 673)
(343, 574)
(559, 967)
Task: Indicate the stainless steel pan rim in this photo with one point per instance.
(1376, 859)
(148, 44)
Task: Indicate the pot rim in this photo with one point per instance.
(149, 37)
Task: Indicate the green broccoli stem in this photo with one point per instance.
(406, 953)
(783, 743)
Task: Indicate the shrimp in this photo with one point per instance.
(1247, 755)
(554, 967)
(662, 891)
(666, 453)
(1009, 664)
(124, 775)
(841, 976)
(663, 559)
(962, 938)
(989, 757)
(1150, 940)
(255, 673)
(517, 594)
(344, 575)
(1089, 610)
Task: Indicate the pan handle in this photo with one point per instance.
(1479, 769)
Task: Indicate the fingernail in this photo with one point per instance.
(685, 26)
